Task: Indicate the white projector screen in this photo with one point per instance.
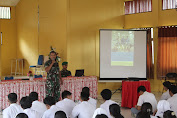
(122, 54)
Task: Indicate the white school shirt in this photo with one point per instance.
(165, 96)
(32, 113)
(148, 97)
(91, 101)
(12, 111)
(83, 110)
(106, 105)
(99, 111)
(50, 113)
(173, 103)
(162, 106)
(40, 107)
(66, 105)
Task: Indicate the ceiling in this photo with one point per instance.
(9, 2)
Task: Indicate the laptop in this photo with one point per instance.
(79, 73)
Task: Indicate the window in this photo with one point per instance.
(169, 4)
(4, 12)
(138, 6)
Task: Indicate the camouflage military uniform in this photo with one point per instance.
(65, 73)
(53, 83)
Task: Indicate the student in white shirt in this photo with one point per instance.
(162, 106)
(169, 114)
(52, 108)
(67, 104)
(84, 109)
(144, 97)
(166, 95)
(14, 108)
(26, 104)
(173, 99)
(91, 100)
(37, 105)
(22, 115)
(115, 111)
(106, 95)
(60, 114)
(146, 111)
(99, 111)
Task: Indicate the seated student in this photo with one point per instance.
(52, 108)
(91, 100)
(162, 106)
(166, 95)
(14, 108)
(36, 105)
(60, 114)
(99, 111)
(146, 111)
(115, 111)
(169, 114)
(144, 97)
(26, 104)
(101, 116)
(106, 95)
(21, 115)
(64, 71)
(66, 104)
(84, 109)
(173, 99)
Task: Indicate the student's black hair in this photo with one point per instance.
(84, 96)
(33, 96)
(114, 110)
(169, 114)
(65, 94)
(86, 90)
(141, 88)
(173, 89)
(167, 84)
(60, 114)
(101, 116)
(146, 111)
(106, 94)
(12, 97)
(21, 115)
(26, 102)
(49, 101)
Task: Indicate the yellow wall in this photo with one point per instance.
(72, 27)
(34, 40)
(156, 18)
(84, 21)
(8, 49)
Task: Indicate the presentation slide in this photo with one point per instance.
(122, 48)
(122, 54)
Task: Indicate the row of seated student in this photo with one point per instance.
(31, 107)
(146, 107)
(147, 103)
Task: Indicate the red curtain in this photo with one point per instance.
(167, 51)
(150, 65)
(138, 6)
(169, 4)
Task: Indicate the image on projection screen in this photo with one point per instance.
(122, 48)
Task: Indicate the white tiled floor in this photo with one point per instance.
(117, 97)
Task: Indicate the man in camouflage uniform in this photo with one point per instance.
(64, 71)
(53, 77)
